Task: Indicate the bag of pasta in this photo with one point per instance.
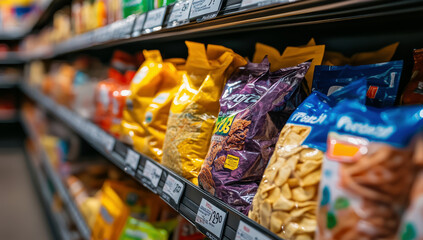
(145, 117)
(254, 106)
(286, 200)
(195, 107)
(368, 170)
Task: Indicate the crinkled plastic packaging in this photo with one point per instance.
(286, 200)
(413, 93)
(253, 108)
(135, 230)
(384, 54)
(382, 80)
(195, 108)
(147, 108)
(292, 56)
(367, 171)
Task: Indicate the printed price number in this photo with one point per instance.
(155, 18)
(132, 159)
(204, 7)
(211, 218)
(173, 188)
(153, 173)
(180, 11)
(246, 232)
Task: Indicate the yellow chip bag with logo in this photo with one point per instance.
(147, 109)
(195, 108)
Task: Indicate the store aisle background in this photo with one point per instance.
(21, 212)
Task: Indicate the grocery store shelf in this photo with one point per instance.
(67, 200)
(156, 177)
(266, 17)
(8, 84)
(11, 58)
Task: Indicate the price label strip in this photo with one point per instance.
(172, 191)
(211, 219)
(180, 13)
(151, 175)
(154, 20)
(139, 24)
(246, 232)
(131, 162)
(202, 10)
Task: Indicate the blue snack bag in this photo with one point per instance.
(382, 80)
(367, 170)
(291, 179)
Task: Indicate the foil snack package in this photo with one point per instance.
(367, 171)
(382, 80)
(253, 108)
(286, 200)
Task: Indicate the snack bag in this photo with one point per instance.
(413, 93)
(140, 230)
(382, 80)
(196, 106)
(286, 200)
(253, 108)
(147, 108)
(384, 54)
(292, 56)
(367, 171)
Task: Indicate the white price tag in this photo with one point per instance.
(180, 11)
(139, 23)
(152, 172)
(246, 232)
(211, 218)
(204, 7)
(247, 3)
(174, 188)
(132, 159)
(155, 18)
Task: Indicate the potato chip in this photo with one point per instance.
(282, 176)
(290, 229)
(293, 182)
(286, 191)
(299, 212)
(311, 154)
(265, 211)
(283, 204)
(308, 167)
(310, 215)
(292, 161)
(288, 151)
(303, 194)
(274, 195)
(307, 225)
(275, 225)
(303, 237)
(311, 179)
(266, 188)
(283, 216)
(293, 139)
(305, 204)
(272, 170)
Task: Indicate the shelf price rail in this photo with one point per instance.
(61, 189)
(211, 216)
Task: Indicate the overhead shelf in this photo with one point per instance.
(131, 29)
(64, 194)
(186, 198)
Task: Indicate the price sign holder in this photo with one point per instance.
(154, 20)
(173, 190)
(180, 13)
(132, 160)
(151, 175)
(246, 232)
(202, 10)
(139, 25)
(125, 27)
(211, 220)
(249, 4)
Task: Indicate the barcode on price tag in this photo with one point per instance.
(173, 188)
(246, 232)
(132, 159)
(211, 218)
(153, 173)
(155, 18)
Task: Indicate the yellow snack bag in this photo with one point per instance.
(384, 54)
(292, 56)
(195, 108)
(113, 210)
(145, 116)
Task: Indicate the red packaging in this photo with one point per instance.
(413, 93)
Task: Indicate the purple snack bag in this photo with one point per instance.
(254, 106)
